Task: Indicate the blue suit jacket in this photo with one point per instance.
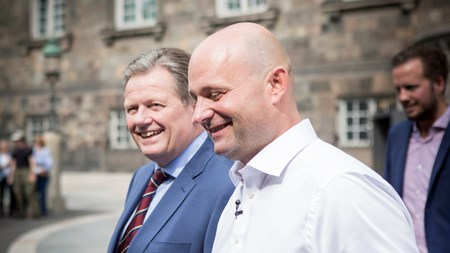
(181, 222)
(437, 208)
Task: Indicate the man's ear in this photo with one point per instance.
(277, 83)
(439, 85)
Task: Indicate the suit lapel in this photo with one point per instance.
(141, 180)
(440, 157)
(174, 197)
(400, 156)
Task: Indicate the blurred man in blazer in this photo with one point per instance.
(417, 158)
(181, 216)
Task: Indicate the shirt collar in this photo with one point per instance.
(440, 124)
(273, 158)
(443, 121)
(175, 167)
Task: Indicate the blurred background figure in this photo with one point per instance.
(418, 164)
(5, 162)
(23, 178)
(43, 164)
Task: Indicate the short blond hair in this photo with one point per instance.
(39, 140)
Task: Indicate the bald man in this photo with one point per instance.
(294, 192)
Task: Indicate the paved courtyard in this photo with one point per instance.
(93, 201)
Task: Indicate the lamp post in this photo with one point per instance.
(52, 55)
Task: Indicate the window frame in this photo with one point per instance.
(222, 11)
(357, 128)
(377, 104)
(51, 19)
(36, 125)
(119, 13)
(119, 135)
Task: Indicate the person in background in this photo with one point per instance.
(5, 163)
(23, 178)
(294, 192)
(418, 149)
(187, 182)
(43, 164)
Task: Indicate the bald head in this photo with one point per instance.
(251, 44)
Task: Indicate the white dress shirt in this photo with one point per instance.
(300, 194)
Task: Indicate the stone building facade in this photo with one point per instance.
(340, 51)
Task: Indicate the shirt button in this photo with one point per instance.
(418, 191)
(419, 167)
(251, 195)
(236, 241)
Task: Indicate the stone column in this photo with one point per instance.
(56, 201)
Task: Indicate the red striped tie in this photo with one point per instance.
(138, 217)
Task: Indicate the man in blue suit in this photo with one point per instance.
(184, 211)
(417, 158)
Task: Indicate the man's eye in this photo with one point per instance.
(156, 106)
(130, 110)
(215, 96)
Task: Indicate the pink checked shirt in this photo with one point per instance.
(419, 164)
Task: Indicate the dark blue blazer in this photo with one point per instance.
(181, 222)
(437, 208)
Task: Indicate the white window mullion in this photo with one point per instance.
(113, 129)
(119, 135)
(50, 10)
(139, 12)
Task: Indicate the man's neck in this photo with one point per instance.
(425, 125)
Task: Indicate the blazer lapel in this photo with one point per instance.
(440, 157)
(400, 156)
(173, 198)
(137, 187)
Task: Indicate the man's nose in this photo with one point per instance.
(202, 111)
(143, 116)
(402, 95)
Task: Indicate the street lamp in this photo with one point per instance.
(52, 54)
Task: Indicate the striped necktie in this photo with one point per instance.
(138, 218)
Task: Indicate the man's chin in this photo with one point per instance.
(220, 149)
(412, 116)
(151, 154)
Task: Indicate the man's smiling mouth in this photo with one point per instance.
(216, 128)
(148, 134)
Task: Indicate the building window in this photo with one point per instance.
(48, 18)
(228, 8)
(355, 118)
(118, 131)
(134, 14)
(36, 125)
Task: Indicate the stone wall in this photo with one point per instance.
(334, 54)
